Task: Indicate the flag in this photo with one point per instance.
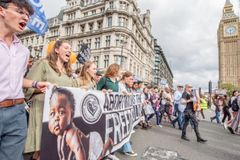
(38, 21)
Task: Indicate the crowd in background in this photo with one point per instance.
(163, 103)
(181, 106)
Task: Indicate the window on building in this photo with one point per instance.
(69, 30)
(96, 60)
(85, 14)
(135, 49)
(106, 61)
(99, 24)
(97, 42)
(123, 5)
(102, 10)
(109, 21)
(37, 38)
(87, 2)
(138, 70)
(90, 26)
(41, 51)
(132, 44)
(89, 41)
(117, 41)
(79, 45)
(118, 59)
(134, 67)
(72, 30)
(26, 41)
(120, 39)
(82, 28)
(122, 21)
(130, 65)
(108, 41)
(111, 5)
(93, 12)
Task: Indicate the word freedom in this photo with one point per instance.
(125, 113)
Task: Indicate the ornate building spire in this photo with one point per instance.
(228, 3)
(228, 12)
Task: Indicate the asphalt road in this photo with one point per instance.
(165, 143)
(221, 144)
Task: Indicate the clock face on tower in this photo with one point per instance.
(230, 30)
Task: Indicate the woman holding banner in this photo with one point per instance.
(87, 76)
(109, 80)
(56, 69)
(125, 87)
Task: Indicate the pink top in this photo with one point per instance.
(13, 65)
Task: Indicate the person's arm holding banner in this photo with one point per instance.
(42, 86)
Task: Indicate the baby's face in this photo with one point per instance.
(60, 114)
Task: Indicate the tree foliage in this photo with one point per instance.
(229, 87)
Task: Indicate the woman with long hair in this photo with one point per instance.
(87, 76)
(56, 69)
(219, 103)
(125, 87)
(109, 81)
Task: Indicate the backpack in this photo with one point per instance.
(234, 105)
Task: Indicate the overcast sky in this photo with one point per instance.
(187, 32)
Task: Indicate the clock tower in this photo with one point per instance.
(229, 46)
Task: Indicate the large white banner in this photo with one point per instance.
(79, 124)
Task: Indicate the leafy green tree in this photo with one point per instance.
(229, 87)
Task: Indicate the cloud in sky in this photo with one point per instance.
(187, 32)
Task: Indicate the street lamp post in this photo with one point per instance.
(210, 93)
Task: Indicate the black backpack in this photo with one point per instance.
(234, 105)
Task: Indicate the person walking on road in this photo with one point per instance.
(189, 114)
(177, 112)
(234, 127)
(219, 103)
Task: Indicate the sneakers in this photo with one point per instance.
(111, 157)
(160, 126)
(224, 125)
(132, 154)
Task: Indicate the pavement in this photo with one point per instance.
(165, 143)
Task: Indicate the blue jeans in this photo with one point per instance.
(175, 109)
(179, 119)
(127, 147)
(157, 113)
(217, 116)
(13, 132)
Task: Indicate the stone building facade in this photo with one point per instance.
(229, 46)
(162, 71)
(114, 30)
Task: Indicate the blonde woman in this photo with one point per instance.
(87, 76)
(56, 69)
